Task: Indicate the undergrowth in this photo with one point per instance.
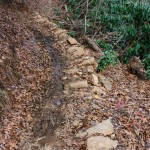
(121, 26)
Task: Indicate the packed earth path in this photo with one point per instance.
(57, 99)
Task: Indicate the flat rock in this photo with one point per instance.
(73, 49)
(80, 52)
(101, 143)
(53, 26)
(81, 134)
(60, 31)
(106, 82)
(72, 41)
(105, 128)
(90, 69)
(76, 51)
(89, 61)
(50, 25)
(79, 84)
(94, 79)
(41, 20)
(63, 37)
(37, 16)
(72, 71)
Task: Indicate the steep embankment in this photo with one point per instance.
(25, 71)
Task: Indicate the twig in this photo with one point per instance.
(85, 22)
(97, 31)
(95, 19)
(79, 5)
(69, 17)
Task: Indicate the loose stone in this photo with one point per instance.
(107, 84)
(90, 69)
(72, 41)
(94, 79)
(79, 84)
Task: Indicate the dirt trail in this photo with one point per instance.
(50, 117)
(38, 95)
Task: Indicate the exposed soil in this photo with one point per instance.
(44, 108)
(51, 119)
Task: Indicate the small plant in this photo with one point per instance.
(147, 65)
(73, 33)
(56, 11)
(110, 57)
(2, 92)
(148, 73)
(104, 45)
(147, 61)
(133, 51)
(60, 24)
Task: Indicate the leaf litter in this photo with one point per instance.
(127, 103)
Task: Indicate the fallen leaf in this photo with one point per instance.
(119, 105)
(96, 96)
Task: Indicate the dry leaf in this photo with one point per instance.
(96, 96)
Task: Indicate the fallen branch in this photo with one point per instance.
(93, 45)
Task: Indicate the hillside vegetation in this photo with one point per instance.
(121, 28)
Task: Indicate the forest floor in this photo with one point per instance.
(54, 93)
